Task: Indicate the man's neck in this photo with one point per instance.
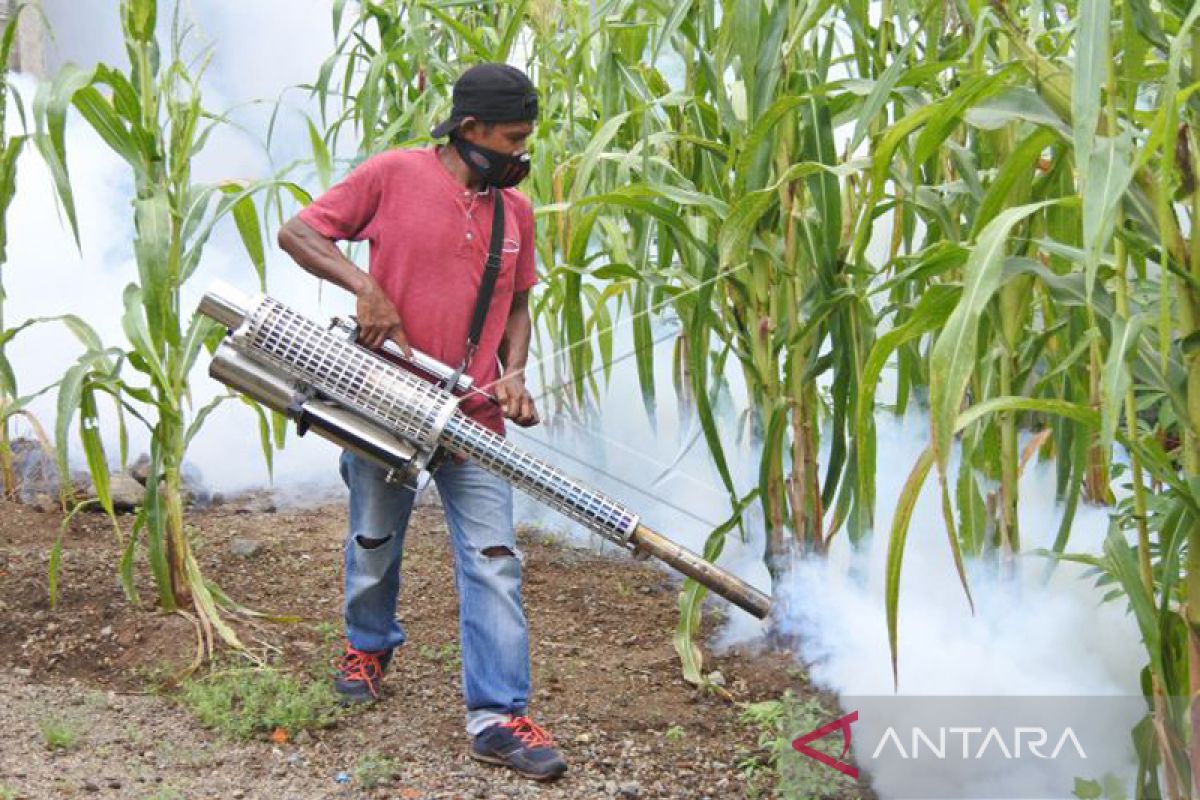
(458, 168)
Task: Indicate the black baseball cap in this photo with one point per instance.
(492, 93)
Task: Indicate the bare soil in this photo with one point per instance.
(606, 677)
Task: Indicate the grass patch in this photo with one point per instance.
(245, 702)
(59, 733)
(448, 655)
(8, 793)
(774, 769)
(373, 769)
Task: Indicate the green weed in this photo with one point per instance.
(373, 769)
(59, 733)
(774, 769)
(448, 655)
(242, 702)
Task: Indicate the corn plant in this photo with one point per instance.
(1053, 202)
(153, 118)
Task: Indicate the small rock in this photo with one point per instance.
(126, 493)
(106, 631)
(584, 738)
(716, 678)
(610, 787)
(245, 546)
(44, 503)
(631, 789)
(88, 786)
(23, 672)
(113, 783)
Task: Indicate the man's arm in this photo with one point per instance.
(319, 256)
(514, 353)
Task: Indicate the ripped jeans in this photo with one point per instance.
(492, 629)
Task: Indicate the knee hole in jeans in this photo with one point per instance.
(367, 543)
(495, 551)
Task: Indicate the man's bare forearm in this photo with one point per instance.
(377, 317)
(321, 257)
(518, 330)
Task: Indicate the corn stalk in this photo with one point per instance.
(1079, 281)
(152, 117)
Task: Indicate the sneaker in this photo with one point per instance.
(522, 746)
(359, 674)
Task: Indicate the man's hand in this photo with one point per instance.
(515, 400)
(378, 320)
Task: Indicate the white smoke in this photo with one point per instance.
(1026, 638)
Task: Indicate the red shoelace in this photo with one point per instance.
(361, 665)
(527, 731)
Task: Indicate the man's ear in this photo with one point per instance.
(468, 127)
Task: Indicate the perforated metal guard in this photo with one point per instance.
(417, 411)
(412, 408)
(537, 478)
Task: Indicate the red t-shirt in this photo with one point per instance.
(429, 238)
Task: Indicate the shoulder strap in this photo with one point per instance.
(491, 270)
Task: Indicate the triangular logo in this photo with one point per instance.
(800, 744)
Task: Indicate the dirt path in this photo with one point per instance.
(605, 675)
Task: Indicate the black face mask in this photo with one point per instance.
(493, 168)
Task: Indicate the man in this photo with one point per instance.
(428, 216)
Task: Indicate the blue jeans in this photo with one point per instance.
(493, 633)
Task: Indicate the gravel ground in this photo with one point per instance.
(140, 746)
(606, 678)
